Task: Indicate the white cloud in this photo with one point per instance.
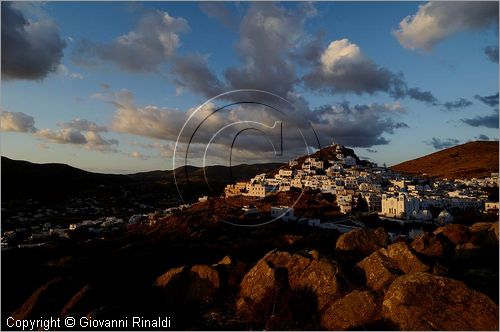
(339, 51)
(17, 121)
(435, 21)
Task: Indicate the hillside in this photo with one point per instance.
(52, 181)
(470, 160)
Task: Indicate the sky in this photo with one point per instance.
(123, 87)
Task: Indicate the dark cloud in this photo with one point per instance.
(488, 100)
(31, 49)
(439, 144)
(17, 121)
(347, 124)
(192, 72)
(456, 105)
(425, 96)
(489, 121)
(144, 49)
(492, 53)
(267, 34)
(342, 68)
(219, 11)
(483, 138)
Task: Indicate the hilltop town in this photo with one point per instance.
(370, 189)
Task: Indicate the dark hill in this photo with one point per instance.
(23, 179)
(470, 160)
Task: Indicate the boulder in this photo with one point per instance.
(492, 237)
(355, 311)
(72, 305)
(480, 227)
(258, 291)
(47, 300)
(378, 270)
(306, 272)
(402, 256)
(422, 301)
(467, 252)
(456, 233)
(361, 242)
(187, 286)
(428, 244)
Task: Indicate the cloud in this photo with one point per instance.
(31, 48)
(79, 132)
(341, 123)
(62, 136)
(219, 11)
(267, 35)
(138, 155)
(64, 71)
(492, 53)
(483, 138)
(192, 71)
(488, 121)
(144, 49)
(436, 21)
(488, 100)
(439, 144)
(342, 68)
(348, 124)
(18, 122)
(425, 96)
(456, 105)
(83, 125)
(272, 42)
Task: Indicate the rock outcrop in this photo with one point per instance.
(423, 301)
(455, 233)
(355, 311)
(278, 271)
(361, 243)
(429, 244)
(384, 265)
(378, 270)
(189, 286)
(402, 256)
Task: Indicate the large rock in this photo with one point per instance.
(480, 227)
(361, 242)
(186, 286)
(468, 252)
(301, 272)
(402, 256)
(355, 311)
(492, 238)
(47, 300)
(378, 270)
(422, 301)
(429, 244)
(456, 233)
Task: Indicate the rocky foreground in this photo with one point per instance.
(442, 280)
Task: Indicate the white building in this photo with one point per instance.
(400, 206)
